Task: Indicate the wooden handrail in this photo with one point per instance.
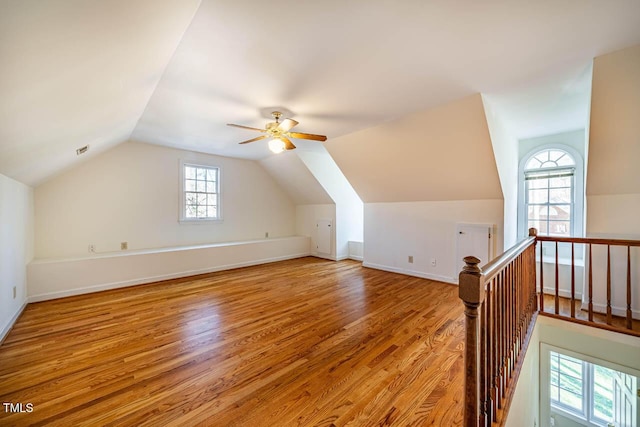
(606, 286)
(587, 240)
(501, 305)
(492, 268)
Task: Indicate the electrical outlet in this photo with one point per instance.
(410, 259)
(433, 262)
(124, 246)
(266, 234)
(15, 292)
(92, 248)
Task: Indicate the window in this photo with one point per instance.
(590, 394)
(200, 193)
(549, 192)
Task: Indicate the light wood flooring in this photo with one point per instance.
(304, 342)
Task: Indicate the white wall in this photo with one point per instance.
(16, 248)
(505, 150)
(131, 193)
(424, 230)
(306, 217)
(349, 208)
(290, 172)
(59, 278)
(620, 349)
(525, 404)
(613, 178)
(575, 139)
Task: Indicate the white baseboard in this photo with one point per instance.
(616, 311)
(355, 257)
(7, 328)
(323, 256)
(151, 279)
(413, 273)
(562, 292)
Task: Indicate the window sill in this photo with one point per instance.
(551, 259)
(199, 221)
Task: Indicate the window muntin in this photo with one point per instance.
(566, 382)
(590, 393)
(549, 192)
(200, 193)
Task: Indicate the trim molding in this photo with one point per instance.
(5, 331)
(151, 279)
(413, 273)
(616, 311)
(564, 293)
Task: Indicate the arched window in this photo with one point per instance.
(549, 192)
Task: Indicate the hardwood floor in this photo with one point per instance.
(564, 309)
(304, 342)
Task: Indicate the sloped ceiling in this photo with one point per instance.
(76, 72)
(295, 178)
(442, 153)
(614, 140)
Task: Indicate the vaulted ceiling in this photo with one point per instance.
(174, 72)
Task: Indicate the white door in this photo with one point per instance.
(625, 400)
(323, 236)
(473, 240)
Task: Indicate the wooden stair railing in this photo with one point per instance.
(500, 308)
(501, 305)
(608, 324)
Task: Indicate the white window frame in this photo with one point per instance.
(587, 417)
(182, 214)
(562, 170)
(577, 222)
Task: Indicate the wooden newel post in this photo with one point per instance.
(472, 295)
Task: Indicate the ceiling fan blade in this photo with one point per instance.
(287, 125)
(245, 127)
(288, 145)
(307, 136)
(254, 139)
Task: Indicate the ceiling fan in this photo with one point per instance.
(280, 132)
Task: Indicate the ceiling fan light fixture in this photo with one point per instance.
(279, 132)
(276, 145)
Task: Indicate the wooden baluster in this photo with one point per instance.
(471, 292)
(482, 367)
(541, 279)
(518, 290)
(507, 330)
(629, 314)
(496, 345)
(512, 309)
(510, 321)
(534, 233)
(557, 301)
(534, 295)
(503, 335)
(519, 283)
(573, 282)
(490, 339)
(590, 285)
(608, 284)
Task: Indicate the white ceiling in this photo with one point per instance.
(76, 72)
